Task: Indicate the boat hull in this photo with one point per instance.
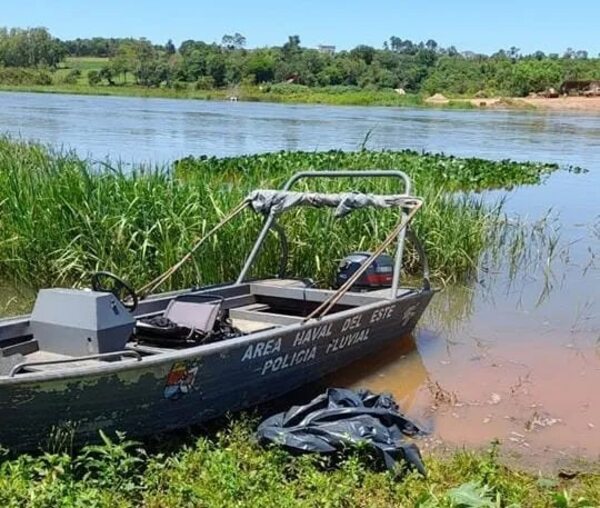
(196, 385)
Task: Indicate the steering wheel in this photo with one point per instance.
(108, 282)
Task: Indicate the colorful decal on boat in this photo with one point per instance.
(180, 380)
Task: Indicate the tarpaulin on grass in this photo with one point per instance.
(340, 417)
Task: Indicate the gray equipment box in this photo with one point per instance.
(75, 322)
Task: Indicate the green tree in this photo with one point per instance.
(107, 73)
(261, 65)
(291, 47)
(233, 42)
(364, 53)
(535, 76)
(31, 47)
(170, 47)
(94, 78)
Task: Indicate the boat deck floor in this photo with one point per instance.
(251, 325)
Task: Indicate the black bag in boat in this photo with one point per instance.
(189, 319)
(339, 417)
(162, 331)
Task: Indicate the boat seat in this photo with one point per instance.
(193, 314)
(23, 347)
(47, 361)
(265, 317)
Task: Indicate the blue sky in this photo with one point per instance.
(481, 25)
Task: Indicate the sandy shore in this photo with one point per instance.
(591, 104)
(587, 104)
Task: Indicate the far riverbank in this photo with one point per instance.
(303, 95)
(322, 96)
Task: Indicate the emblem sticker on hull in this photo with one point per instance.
(180, 380)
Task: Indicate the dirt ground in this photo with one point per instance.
(587, 104)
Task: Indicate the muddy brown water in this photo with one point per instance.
(513, 356)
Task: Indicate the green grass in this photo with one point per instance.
(248, 94)
(61, 218)
(333, 95)
(87, 63)
(230, 469)
(82, 88)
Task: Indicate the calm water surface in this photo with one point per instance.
(515, 358)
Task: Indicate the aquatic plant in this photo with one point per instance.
(62, 217)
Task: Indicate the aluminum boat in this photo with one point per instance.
(107, 359)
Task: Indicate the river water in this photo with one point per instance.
(514, 357)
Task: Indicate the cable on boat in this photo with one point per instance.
(327, 305)
(151, 286)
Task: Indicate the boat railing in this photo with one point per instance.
(101, 356)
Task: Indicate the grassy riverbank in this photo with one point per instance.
(280, 93)
(335, 96)
(230, 469)
(62, 218)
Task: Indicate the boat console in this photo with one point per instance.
(77, 322)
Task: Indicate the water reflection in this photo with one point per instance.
(397, 368)
(450, 309)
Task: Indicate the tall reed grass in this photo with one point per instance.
(62, 217)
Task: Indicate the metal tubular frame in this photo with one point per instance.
(371, 173)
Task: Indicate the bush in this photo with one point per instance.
(94, 78)
(205, 83)
(72, 77)
(20, 76)
(341, 89)
(288, 88)
(179, 85)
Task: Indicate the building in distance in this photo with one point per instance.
(326, 49)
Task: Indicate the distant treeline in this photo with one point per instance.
(423, 67)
